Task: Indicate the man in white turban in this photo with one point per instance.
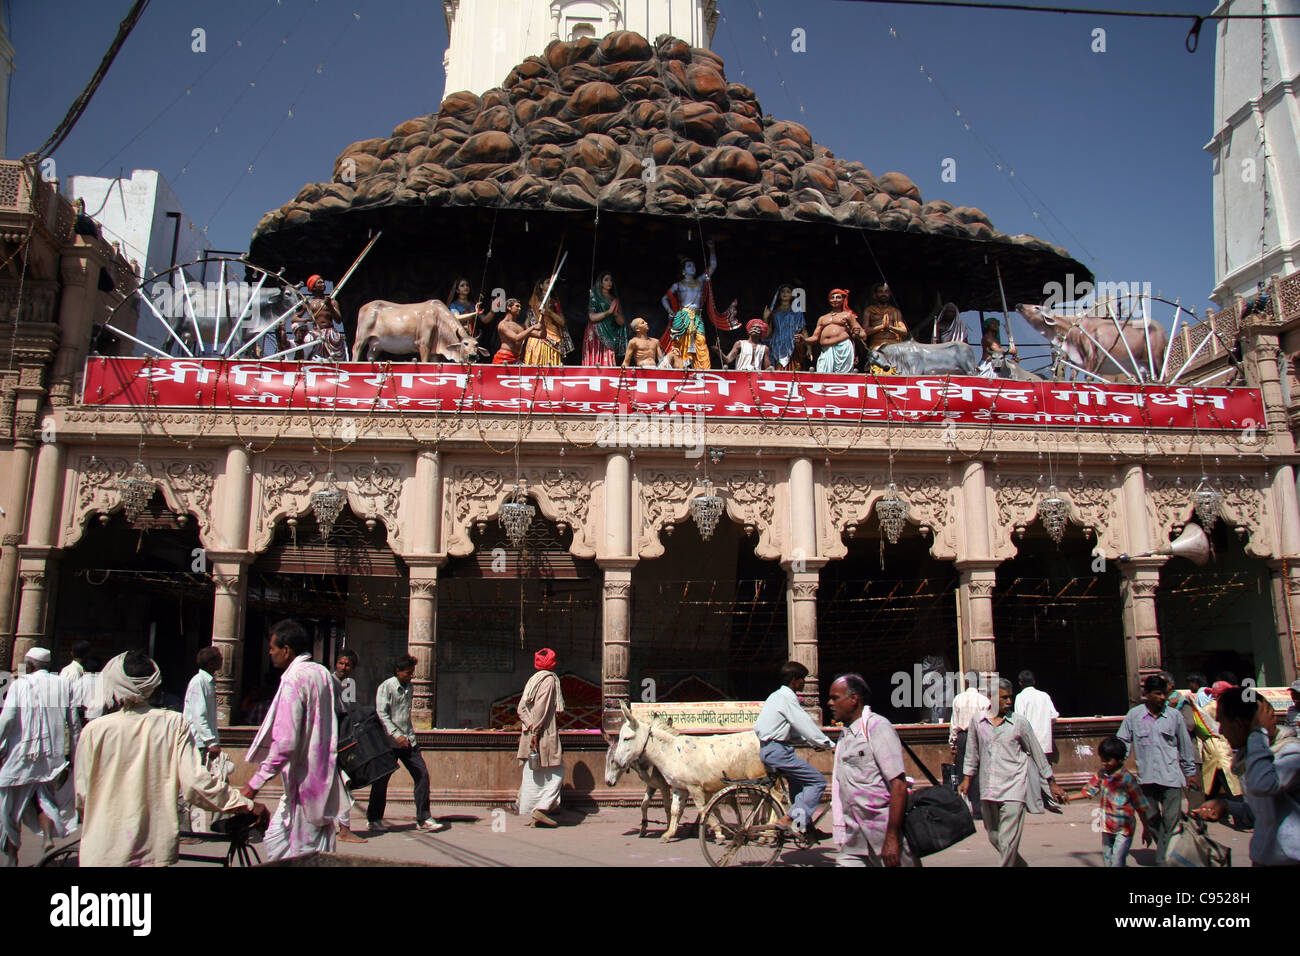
(34, 728)
(130, 766)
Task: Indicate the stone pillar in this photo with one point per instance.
(422, 616)
(617, 561)
(79, 267)
(803, 575)
(1286, 574)
(1143, 654)
(19, 486)
(421, 643)
(38, 555)
(231, 512)
(229, 599)
(977, 582)
(1139, 580)
(616, 642)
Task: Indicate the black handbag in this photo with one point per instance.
(936, 819)
(364, 751)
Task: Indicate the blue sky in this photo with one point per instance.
(1110, 144)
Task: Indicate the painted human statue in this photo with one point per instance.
(884, 322)
(468, 312)
(513, 335)
(318, 326)
(993, 356)
(786, 323)
(835, 333)
(751, 354)
(687, 330)
(642, 351)
(551, 347)
(605, 340)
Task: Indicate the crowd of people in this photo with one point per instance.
(99, 756)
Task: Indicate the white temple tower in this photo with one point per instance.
(489, 37)
(1256, 148)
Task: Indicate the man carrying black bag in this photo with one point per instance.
(393, 704)
(344, 664)
(869, 786)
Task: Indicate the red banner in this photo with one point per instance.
(214, 384)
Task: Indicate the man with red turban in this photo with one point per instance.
(751, 354)
(539, 743)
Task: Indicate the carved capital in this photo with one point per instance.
(618, 589)
(424, 587)
(804, 590)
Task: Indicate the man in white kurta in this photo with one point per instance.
(130, 766)
(539, 743)
(299, 741)
(34, 733)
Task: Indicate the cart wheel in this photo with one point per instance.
(63, 856)
(738, 828)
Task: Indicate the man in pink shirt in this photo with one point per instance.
(299, 740)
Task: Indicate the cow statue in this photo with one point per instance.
(654, 784)
(426, 328)
(701, 765)
(1094, 343)
(919, 358)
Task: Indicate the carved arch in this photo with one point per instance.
(1092, 504)
(663, 498)
(283, 489)
(851, 498)
(1246, 504)
(186, 485)
(475, 494)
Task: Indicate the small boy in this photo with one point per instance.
(1121, 801)
(642, 351)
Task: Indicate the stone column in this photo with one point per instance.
(20, 469)
(229, 599)
(616, 561)
(231, 512)
(422, 616)
(421, 643)
(977, 582)
(803, 575)
(1286, 573)
(1139, 581)
(37, 557)
(1143, 653)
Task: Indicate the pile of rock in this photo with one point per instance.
(630, 127)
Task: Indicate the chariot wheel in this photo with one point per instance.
(214, 307)
(738, 827)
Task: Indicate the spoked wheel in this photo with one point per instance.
(63, 856)
(738, 827)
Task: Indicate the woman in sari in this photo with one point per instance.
(554, 344)
(786, 324)
(605, 340)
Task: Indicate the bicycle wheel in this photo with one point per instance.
(63, 856)
(737, 827)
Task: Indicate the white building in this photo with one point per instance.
(1256, 148)
(144, 216)
(7, 54)
(488, 38)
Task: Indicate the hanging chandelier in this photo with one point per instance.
(327, 505)
(706, 509)
(891, 511)
(517, 515)
(1054, 510)
(1207, 500)
(137, 489)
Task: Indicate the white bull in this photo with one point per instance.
(426, 328)
(920, 358)
(700, 765)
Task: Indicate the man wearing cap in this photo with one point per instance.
(834, 335)
(34, 733)
(539, 743)
(751, 355)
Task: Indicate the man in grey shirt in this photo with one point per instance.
(1166, 758)
(393, 704)
(1004, 750)
(780, 724)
